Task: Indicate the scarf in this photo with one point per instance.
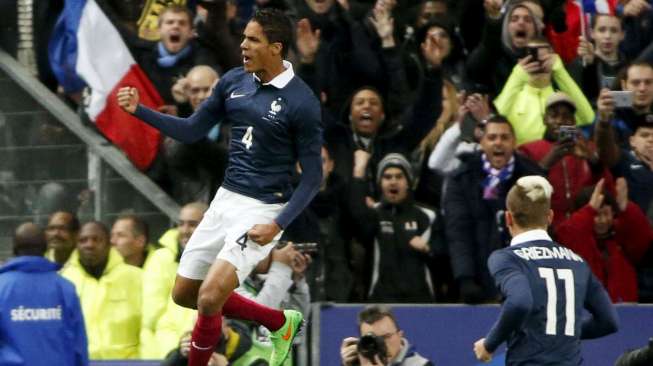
(495, 177)
(167, 59)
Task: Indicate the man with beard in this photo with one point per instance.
(474, 207)
(396, 231)
(504, 41)
(61, 234)
(110, 293)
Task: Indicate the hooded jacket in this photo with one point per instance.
(111, 305)
(41, 320)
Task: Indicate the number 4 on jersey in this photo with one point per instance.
(248, 137)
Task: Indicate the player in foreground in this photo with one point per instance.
(275, 121)
(546, 287)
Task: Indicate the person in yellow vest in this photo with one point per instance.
(110, 292)
(166, 320)
(61, 235)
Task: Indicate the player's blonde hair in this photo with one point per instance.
(529, 201)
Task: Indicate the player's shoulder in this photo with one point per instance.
(305, 94)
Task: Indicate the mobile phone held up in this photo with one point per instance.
(567, 133)
(622, 98)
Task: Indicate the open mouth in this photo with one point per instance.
(393, 191)
(246, 59)
(365, 117)
(175, 38)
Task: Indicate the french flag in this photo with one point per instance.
(86, 49)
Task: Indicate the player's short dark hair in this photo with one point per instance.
(176, 9)
(277, 27)
(529, 205)
(139, 226)
(373, 313)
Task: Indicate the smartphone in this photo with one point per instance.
(622, 98)
(534, 52)
(567, 133)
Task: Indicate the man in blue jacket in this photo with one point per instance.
(41, 321)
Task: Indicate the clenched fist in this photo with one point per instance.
(128, 99)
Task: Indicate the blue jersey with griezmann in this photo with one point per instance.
(546, 287)
(274, 125)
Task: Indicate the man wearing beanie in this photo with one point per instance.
(395, 231)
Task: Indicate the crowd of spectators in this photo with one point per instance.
(432, 109)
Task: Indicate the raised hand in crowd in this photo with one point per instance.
(384, 24)
(419, 244)
(344, 4)
(478, 105)
(128, 99)
(635, 8)
(559, 150)
(361, 158)
(605, 105)
(596, 200)
(493, 8)
(432, 51)
(621, 188)
(388, 5)
(180, 90)
(586, 50)
(308, 41)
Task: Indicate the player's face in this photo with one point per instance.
(124, 240)
(498, 144)
(189, 218)
(175, 31)
(58, 233)
(386, 329)
(642, 141)
(557, 115)
(394, 185)
(639, 80)
(256, 50)
(93, 245)
(521, 27)
(366, 112)
(607, 34)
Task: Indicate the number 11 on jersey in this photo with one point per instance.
(567, 276)
(248, 137)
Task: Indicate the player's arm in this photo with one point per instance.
(186, 130)
(602, 319)
(308, 139)
(514, 286)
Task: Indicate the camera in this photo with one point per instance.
(370, 346)
(566, 133)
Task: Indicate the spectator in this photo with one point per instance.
(612, 235)
(130, 237)
(474, 206)
(530, 83)
(599, 59)
(379, 321)
(61, 235)
(568, 158)
(326, 222)
(639, 81)
(503, 42)
(637, 16)
(396, 231)
(110, 294)
(168, 320)
(634, 163)
(41, 321)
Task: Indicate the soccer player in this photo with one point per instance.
(275, 121)
(546, 287)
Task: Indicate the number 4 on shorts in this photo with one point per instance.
(242, 241)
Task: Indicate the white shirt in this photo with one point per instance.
(282, 79)
(531, 235)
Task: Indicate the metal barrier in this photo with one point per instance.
(51, 160)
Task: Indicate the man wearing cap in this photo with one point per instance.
(569, 159)
(41, 321)
(396, 230)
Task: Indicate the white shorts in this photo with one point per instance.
(221, 230)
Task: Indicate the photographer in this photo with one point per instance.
(569, 159)
(381, 342)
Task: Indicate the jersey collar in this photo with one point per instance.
(531, 235)
(281, 80)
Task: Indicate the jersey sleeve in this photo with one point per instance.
(193, 128)
(307, 130)
(514, 286)
(602, 319)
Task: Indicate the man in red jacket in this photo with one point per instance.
(612, 235)
(569, 159)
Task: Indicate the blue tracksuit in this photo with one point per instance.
(41, 321)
